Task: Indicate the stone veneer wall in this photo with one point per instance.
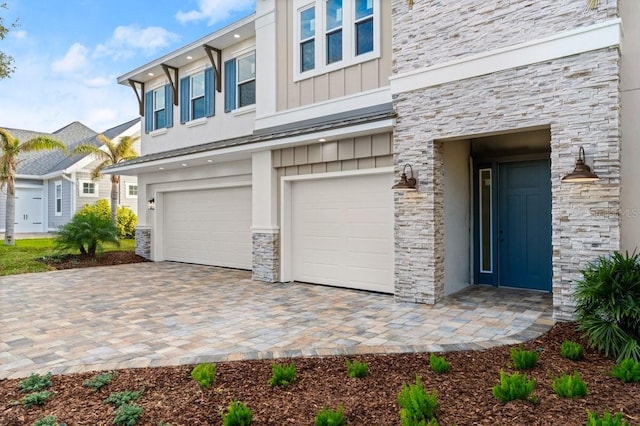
(143, 241)
(434, 32)
(578, 98)
(266, 257)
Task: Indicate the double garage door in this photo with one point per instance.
(341, 230)
(208, 227)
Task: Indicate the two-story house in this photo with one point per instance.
(273, 144)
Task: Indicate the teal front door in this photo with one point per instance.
(512, 222)
(524, 225)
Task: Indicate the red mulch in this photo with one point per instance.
(464, 394)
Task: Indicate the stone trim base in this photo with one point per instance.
(266, 257)
(143, 241)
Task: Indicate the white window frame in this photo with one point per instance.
(126, 190)
(349, 57)
(155, 110)
(192, 98)
(57, 196)
(82, 182)
(238, 82)
(302, 41)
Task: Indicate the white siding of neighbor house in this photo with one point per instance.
(54, 221)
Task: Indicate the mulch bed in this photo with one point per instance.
(73, 261)
(464, 394)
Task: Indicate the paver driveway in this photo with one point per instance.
(152, 314)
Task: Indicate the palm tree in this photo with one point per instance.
(114, 154)
(10, 149)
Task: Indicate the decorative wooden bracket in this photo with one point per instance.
(217, 64)
(140, 95)
(174, 81)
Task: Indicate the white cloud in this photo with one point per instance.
(18, 34)
(215, 11)
(97, 82)
(100, 117)
(125, 40)
(75, 59)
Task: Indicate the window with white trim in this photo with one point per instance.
(159, 116)
(246, 79)
(197, 96)
(88, 188)
(58, 198)
(333, 34)
(131, 190)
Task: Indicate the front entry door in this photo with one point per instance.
(524, 225)
(513, 224)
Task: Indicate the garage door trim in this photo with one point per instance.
(286, 184)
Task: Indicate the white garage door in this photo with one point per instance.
(28, 210)
(342, 232)
(209, 227)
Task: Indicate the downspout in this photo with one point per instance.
(72, 180)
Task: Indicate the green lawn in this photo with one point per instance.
(22, 257)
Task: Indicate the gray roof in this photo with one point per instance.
(334, 121)
(40, 163)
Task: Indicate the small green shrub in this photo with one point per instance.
(118, 399)
(127, 415)
(46, 421)
(282, 374)
(606, 420)
(523, 360)
(99, 381)
(328, 417)
(438, 364)
(204, 374)
(357, 369)
(126, 222)
(237, 414)
(607, 307)
(35, 382)
(570, 386)
(572, 350)
(627, 370)
(417, 407)
(86, 232)
(515, 386)
(36, 398)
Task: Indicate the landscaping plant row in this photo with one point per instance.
(417, 406)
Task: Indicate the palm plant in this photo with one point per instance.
(10, 149)
(116, 152)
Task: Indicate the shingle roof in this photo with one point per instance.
(40, 163)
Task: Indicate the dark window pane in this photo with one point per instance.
(307, 55)
(247, 93)
(364, 36)
(485, 221)
(197, 108)
(334, 47)
(364, 8)
(160, 117)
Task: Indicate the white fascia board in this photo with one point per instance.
(32, 177)
(322, 109)
(224, 36)
(331, 134)
(559, 45)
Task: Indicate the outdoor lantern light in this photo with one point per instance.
(581, 173)
(406, 183)
(152, 204)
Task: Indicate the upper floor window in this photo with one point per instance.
(350, 34)
(158, 108)
(240, 82)
(197, 96)
(58, 198)
(88, 188)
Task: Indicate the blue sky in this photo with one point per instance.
(68, 54)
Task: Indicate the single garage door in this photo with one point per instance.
(342, 232)
(209, 227)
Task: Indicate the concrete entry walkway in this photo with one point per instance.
(155, 314)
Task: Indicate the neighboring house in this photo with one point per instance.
(272, 144)
(51, 186)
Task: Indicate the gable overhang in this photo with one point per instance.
(221, 39)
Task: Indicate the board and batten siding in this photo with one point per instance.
(347, 81)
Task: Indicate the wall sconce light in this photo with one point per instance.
(151, 204)
(581, 173)
(406, 183)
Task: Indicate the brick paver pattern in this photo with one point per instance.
(165, 313)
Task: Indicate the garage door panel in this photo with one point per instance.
(210, 227)
(342, 232)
